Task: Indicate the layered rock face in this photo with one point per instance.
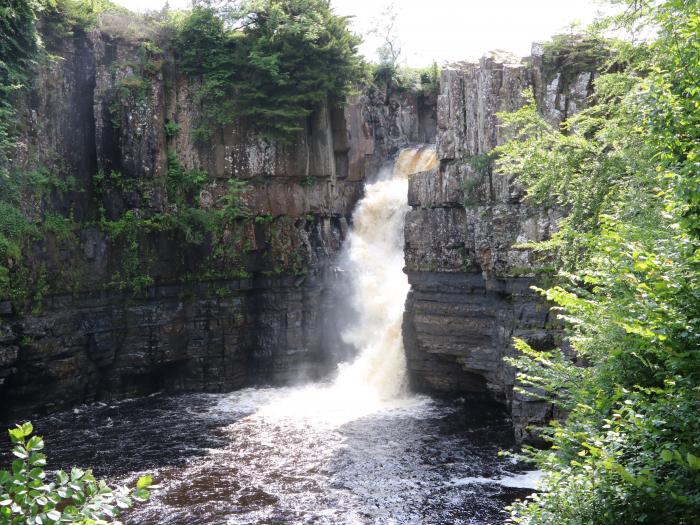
(265, 320)
(470, 284)
(267, 315)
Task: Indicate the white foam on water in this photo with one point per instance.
(525, 480)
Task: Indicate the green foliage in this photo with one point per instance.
(127, 231)
(27, 196)
(470, 187)
(19, 45)
(423, 81)
(114, 181)
(30, 495)
(629, 289)
(25, 215)
(674, 108)
(430, 79)
(232, 206)
(601, 159)
(24, 210)
(183, 186)
(21, 48)
(133, 80)
(264, 219)
(14, 229)
(284, 255)
(482, 165)
(568, 55)
(62, 19)
(186, 215)
(271, 61)
(227, 231)
(171, 129)
(183, 218)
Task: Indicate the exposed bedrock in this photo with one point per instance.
(267, 314)
(470, 283)
(262, 318)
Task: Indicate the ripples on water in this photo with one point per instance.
(265, 456)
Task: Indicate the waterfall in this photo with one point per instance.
(373, 257)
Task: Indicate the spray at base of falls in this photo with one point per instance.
(373, 256)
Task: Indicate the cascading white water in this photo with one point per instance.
(374, 251)
(373, 256)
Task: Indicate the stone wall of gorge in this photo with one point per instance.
(470, 283)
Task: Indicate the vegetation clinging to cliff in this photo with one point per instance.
(19, 44)
(20, 47)
(271, 61)
(626, 169)
(26, 192)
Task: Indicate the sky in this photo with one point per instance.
(451, 30)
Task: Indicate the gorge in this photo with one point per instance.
(383, 226)
(357, 449)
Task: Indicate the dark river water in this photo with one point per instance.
(296, 456)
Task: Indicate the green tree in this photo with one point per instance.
(271, 61)
(626, 170)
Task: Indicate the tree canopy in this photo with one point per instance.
(270, 61)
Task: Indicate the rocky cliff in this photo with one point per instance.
(129, 297)
(470, 283)
(122, 311)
